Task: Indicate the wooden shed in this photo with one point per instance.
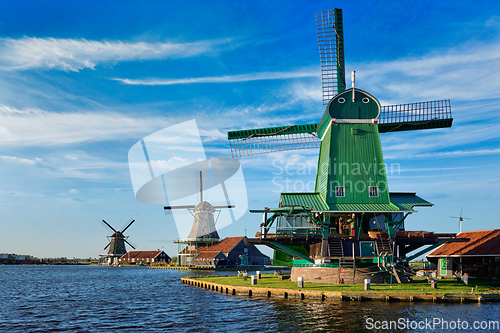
(479, 257)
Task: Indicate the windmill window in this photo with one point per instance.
(373, 191)
(340, 191)
(365, 100)
(341, 100)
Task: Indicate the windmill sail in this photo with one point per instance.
(393, 118)
(331, 51)
(414, 116)
(268, 140)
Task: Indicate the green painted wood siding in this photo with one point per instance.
(356, 162)
(323, 166)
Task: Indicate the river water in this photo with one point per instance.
(136, 299)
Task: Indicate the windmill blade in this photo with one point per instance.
(128, 226)
(178, 207)
(273, 139)
(331, 52)
(107, 245)
(109, 225)
(415, 116)
(393, 118)
(132, 246)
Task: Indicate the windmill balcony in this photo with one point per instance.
(288, 232)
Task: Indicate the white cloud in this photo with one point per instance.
(173, 163)
(307, 92)
(34, 127)
(460, 153)
(224, 79)
(432, 143)
(21, 160)
(19, 194)
(79, 165)
(468, 72)
(77, 54)
(73, 191)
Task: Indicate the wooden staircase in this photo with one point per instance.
(336, 249)
(348, 263)
(382, 245)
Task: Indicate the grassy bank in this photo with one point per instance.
(419, 286)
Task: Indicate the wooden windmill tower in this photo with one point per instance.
(351, 218)
(116, 246)
(203, 232)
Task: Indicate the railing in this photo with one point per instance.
(197, 240)
(291, 232)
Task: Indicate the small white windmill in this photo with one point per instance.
(460, 218)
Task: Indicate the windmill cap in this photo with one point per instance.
(364, 106)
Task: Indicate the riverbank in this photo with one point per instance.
(169, 267)
(224, 269)
(270, 286)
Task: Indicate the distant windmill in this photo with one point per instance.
(460, 218)
(116, 243)
(204, 221)
(203, 232)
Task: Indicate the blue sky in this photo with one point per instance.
(80, 83)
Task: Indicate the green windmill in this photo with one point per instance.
(351, 219)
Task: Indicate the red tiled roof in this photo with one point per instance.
(482, 242)
(225, 245)
(207, 254)
(186, 251)
(142, 254)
